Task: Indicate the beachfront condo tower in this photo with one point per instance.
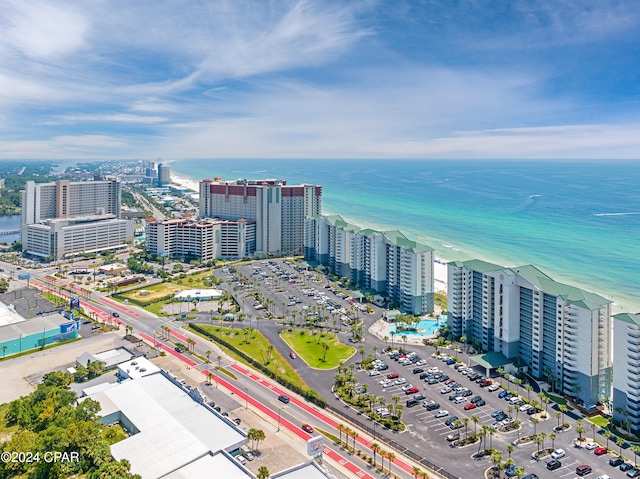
(277, 209)
(626, 370)
(66, 218)
(558, 332)
(385, 262)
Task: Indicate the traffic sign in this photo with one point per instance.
(24, 276)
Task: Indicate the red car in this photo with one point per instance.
(470, 406)
(450, 380)
(599, 451)
(307, 428)
(393, 375)
(292, 355)
(412, 390)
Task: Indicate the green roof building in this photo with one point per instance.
(385, 262)
(561, 333)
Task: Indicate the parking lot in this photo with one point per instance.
(432, 419)
(300, 294)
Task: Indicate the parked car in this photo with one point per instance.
(558, 453)
(583, 470)
(554, 464)
(442, 413)
(599, 451)
(625, 466)
(392, 375)
(417, 370)
(616, 461)
(412, 390)
(590, 446)
(469, 406)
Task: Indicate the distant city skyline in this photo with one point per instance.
(301, 79)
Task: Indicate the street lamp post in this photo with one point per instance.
(279, 412)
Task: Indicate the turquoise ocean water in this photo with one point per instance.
(579, 222)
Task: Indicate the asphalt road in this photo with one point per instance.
(425, 435)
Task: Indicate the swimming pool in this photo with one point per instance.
(425, 328)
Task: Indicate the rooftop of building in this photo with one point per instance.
(173, 430)
(395, 237)
(541, 281)
(631, 318)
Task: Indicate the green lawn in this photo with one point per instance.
(257, 348)
(310, 348)
(198, 280)
(599, 421)
(154, 291)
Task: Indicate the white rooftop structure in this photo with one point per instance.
(109, 358)
(137, 368)
(169, 430)
(198, 294)
(9, 315)
(216, 466)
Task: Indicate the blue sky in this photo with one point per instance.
(310, 79)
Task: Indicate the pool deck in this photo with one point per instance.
(379, 329)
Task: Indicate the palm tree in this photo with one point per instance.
(496, 458)
(390, 457)
(563, 409)
(416, 472)
(553, 436)
(537, 440)
(395, 400)
(528, 388)
(382, 454)
(465, 420)
(375, 447)
(579, 429)
(481, 435)
(340, 427)
(558, 415)
(519, 472)
(475, 419)
(593, 430)
(207, 354)
(500, 372)
(607, 435)
(263, 472)
(535, 422)
(517, 424)
(510, 449)
(636, 449)
(620, 442)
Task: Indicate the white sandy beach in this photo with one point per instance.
(185, 183)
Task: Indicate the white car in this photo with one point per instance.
(422, 362)
(442, 413)
(558, 453)
(399, 381)
(496, 425)
(524, 407)
(407, 387)
(445, 390)
(493, 387)
(385, 383)
(591, 446)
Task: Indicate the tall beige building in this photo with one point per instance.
(65, 218)
(277, 209)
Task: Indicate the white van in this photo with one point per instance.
(459, 400)
(515, 400)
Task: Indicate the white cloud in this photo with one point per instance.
(115, 118)
(42, 30)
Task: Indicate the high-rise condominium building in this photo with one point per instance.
(384, 261)
(626, 369)
(65, 218)
(277, 209)
(164, 175)
(205, 240)
(559, 332)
